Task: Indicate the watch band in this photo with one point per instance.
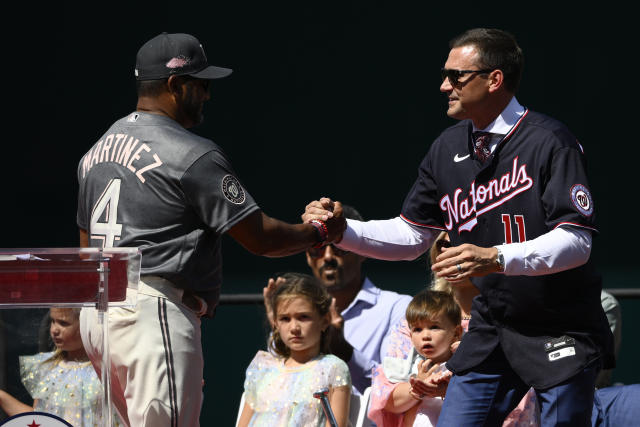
(500, 260)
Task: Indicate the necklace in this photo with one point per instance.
(466, 317)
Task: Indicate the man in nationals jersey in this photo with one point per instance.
(150, 183)
(510, 188)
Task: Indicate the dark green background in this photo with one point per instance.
(335, 98)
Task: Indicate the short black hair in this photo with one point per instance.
(498, 50)
(150, 88)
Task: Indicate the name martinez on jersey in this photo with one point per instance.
(116, 148)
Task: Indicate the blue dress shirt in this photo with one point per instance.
(367, 322)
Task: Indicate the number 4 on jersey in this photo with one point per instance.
(106, 208)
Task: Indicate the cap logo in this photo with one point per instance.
(203, 54)
(177, 62)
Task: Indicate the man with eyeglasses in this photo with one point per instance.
(509, 186)
(151, 183)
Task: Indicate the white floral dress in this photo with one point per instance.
(70, 390)
(283, 396)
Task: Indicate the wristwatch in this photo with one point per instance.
(500, 260)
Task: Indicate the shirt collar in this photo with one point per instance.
(368, 294)
(505, 120)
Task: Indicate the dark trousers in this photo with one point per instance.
(485, 395)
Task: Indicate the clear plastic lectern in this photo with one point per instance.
(72, 277)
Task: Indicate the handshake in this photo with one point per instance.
(326, 215)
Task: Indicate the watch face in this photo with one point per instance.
(500, 260)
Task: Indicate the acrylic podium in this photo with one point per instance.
(72, 277)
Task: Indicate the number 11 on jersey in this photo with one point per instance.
(506, 221)
(106, 208)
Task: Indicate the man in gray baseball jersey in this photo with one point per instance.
(150, 183)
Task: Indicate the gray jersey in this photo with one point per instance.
(152, 184)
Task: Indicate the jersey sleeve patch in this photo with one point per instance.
(232, 190)
(582, 200)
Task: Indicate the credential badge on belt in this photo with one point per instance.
(557, 348)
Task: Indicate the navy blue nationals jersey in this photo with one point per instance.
(534, 182)
(152, 184)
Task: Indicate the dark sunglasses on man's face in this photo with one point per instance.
(454, 75)
(319, 252)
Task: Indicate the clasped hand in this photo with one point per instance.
(429, 381)
(330, 212)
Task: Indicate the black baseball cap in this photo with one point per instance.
(175, 55)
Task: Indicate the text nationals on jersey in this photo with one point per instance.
(495, 192)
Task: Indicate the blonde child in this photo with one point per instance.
(279, 384)
(61, 382)
(434, 323)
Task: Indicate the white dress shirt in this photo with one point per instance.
(560, 249)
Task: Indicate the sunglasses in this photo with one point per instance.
(454, 75)
(319, 252)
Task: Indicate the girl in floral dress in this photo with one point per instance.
(280, 383)
(62, 382)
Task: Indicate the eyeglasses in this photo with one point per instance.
(319, 252)
(454, 75)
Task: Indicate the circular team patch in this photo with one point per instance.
(35, 419)
(581, 199)
(232, 190)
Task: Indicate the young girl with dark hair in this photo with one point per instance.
(280, 383)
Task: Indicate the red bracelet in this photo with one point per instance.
(323, 232)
